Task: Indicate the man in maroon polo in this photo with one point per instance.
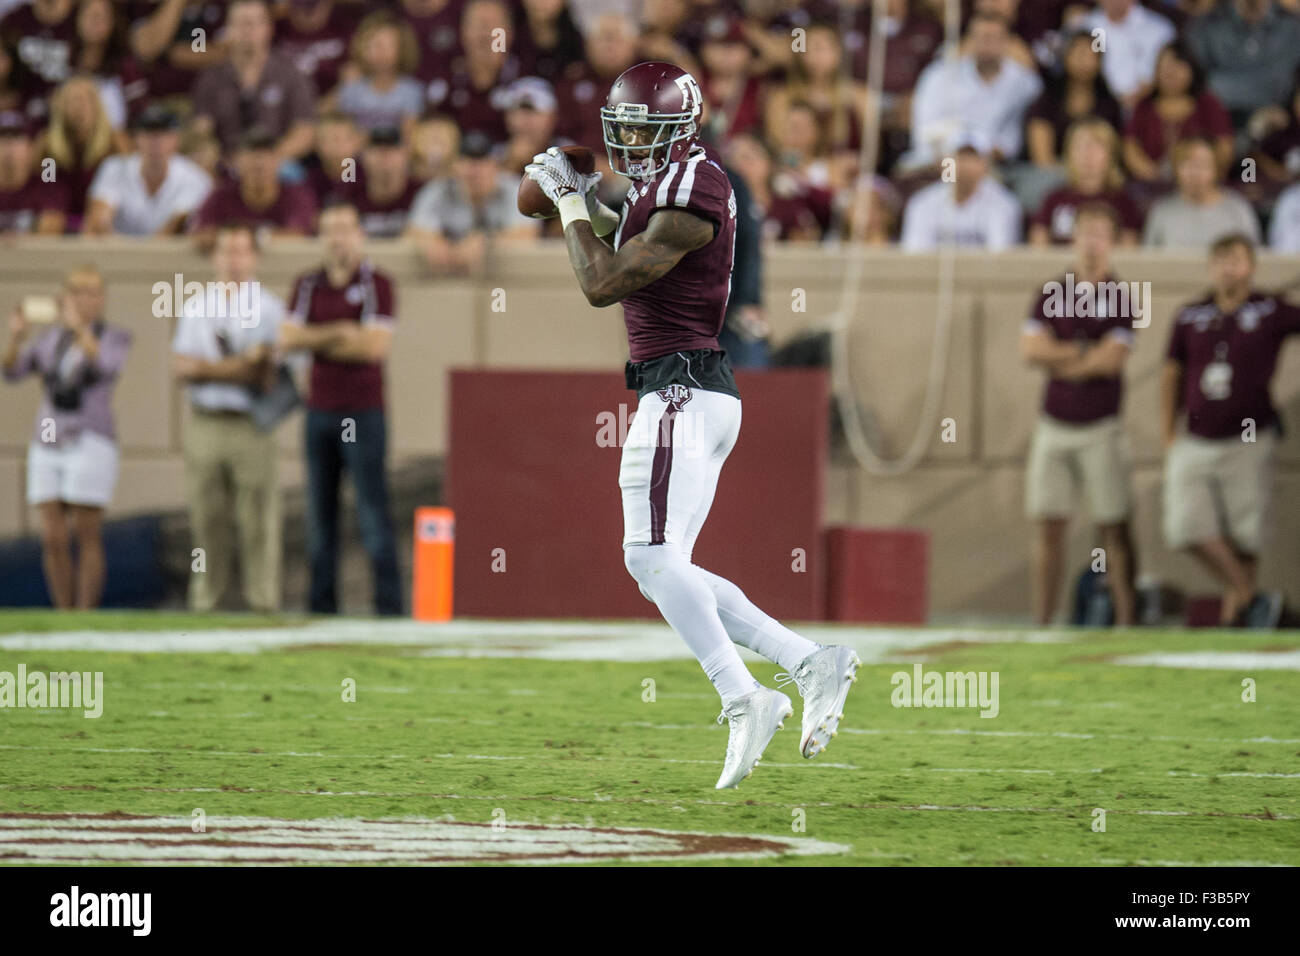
(343, 313)
(1219, 467)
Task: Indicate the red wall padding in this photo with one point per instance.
(877, 575)
(525, 474)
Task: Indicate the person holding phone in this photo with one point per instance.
(72, 461)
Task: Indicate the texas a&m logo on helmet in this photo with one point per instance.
(651, 118)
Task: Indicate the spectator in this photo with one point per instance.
(78, 139)
(1177, 108)
(1077, 93)
(530, 123)
(343, 313)
(333, 165)
(974, 211)
(42, 36)
(222, 354)
(72, 460)
(151, 192)
(547, 40)
(11, 81)
(256, 196)
(733, 95)
(818, 83)
(316, 35)
(1201, 211)
(1093, 176)
(1134, 37)
(1249, 49)
(454, 219)
(799, 147)
(911, 41)
(164, 43)
(1279, 151)
(664, 28)
(1082, 342)
(870, 214)
(385, 192)
(436, 25)
(611, 46)
(469, 86)
(103, 52)
(384, 52)
(1219, 466)
(984, 91)
(1284, 226)
(28, 201)
(203, 150)
(788, 207)
(435, 144)
(256, 86)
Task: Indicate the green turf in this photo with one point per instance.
(271, 735)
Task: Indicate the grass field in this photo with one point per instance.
(487, 725)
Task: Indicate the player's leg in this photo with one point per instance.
(822, 674)
(662, 485)
(663, 482)
(744, 622)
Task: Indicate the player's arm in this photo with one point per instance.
(607, 276)
(1171, 390)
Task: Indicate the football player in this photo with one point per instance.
(667, 258)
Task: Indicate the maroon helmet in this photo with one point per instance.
(651, 118)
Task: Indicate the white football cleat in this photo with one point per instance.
(754, 719)
(823, 678)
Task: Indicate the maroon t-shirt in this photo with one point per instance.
(294, 209)
(1076, 314)
(684, 309)
(21, 208)
(484, 111)
(436, 35)
(45, 50)
(319, 53)
(907, 53)
(1228, 362)
(1061, 206)
(164, 78)
(1208, 118)
(380, 220)
(368, 298)
(797, 209)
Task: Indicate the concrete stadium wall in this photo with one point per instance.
(528, 314)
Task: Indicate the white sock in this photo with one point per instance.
(750, 627)
(687, 603)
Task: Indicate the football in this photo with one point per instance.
(533, 202)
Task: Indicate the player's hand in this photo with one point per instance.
(556, 176)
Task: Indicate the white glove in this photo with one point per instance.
(556, 176)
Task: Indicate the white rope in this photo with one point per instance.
(841, 381)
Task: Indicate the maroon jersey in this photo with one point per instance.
(1228, 362)
(1070, 317)
(437, 35)
(1061, 206)
(294, 209)
(20, 209)
(684, 309)
(380, 220)
(318, 53)
(45, 50)
(473, 109)
(367, 298)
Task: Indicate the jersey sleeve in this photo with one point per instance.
(699, 187)
(381, 302)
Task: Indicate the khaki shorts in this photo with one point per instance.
(1062, 457)
(1219, 488)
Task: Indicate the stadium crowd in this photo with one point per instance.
(163, 116)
